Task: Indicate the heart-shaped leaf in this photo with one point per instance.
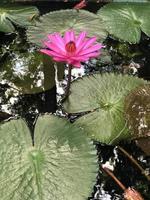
(63, 20)
(126, 20)
(61, 164)
(137, 111)
(104, 96)
(20, 15)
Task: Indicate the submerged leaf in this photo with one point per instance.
(126, 20)
(137, 111)
(20, 15)
(63, 20)
(61, 164)
(103, 95)
(29, 72)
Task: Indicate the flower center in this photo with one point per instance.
(70, 47)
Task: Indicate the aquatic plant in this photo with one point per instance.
(60, 164)
(63, 20)
(132, 194)
(59, 161)
(129, 193)
(102, 96)
(125, 21)
(19, 15)
(71, 49)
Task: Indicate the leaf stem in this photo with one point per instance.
(114, 178)
(68, 83)
(135, 162)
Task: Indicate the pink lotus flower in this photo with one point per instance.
(71, 49)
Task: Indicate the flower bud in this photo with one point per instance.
(131, 194)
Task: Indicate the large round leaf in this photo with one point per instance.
(126, 20)
(63, 20)
(137, 111)
(61, 164)
(22, 16)
(103, 95)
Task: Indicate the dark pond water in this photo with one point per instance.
(29, 106)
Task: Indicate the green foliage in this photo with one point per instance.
(126, 20)
(19, 15)
(61, 164)
(104, 96)
(63, 20)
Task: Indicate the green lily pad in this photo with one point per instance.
(19, 15)
(104, 96)
(30, 72)
(61, 164)
(126, 20)
(63, 20)
(137, 111)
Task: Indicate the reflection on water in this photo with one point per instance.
(25, 71)
(24, 76)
